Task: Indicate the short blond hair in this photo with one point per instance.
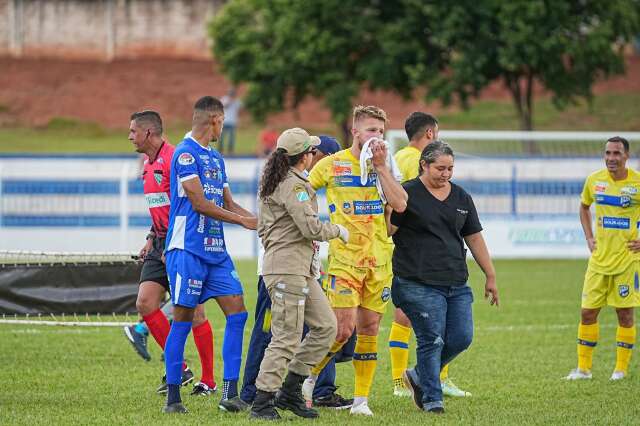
(361, 111)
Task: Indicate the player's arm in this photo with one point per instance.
(480, 253)
(231, 205)
(587, 227)
(194, 191)
(391, 228)
(394, 192)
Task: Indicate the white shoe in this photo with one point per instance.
(450, 389)
(362, 409)
(578, 374)
(401, 391)
(618, 375)
(307, 390)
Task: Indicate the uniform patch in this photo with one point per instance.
(346, 207)
(629, 190)
(368, 207)
(158, 177)
(615, 222)
(342, 168)
(600, 186)
(623, 290)
(386, 294)
(186, 159)
(302, 196)
(345, 292)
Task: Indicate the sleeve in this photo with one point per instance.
(185, 164)
(223, 169)
(472, 223)
(298, 205)
(397, 219)
(586, 197)
(319, 176)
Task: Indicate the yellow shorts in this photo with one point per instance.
(349, 286)
(619, 291)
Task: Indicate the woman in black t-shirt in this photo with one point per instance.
(430, 270)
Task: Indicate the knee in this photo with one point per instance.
(146, 305)
(625, 317)
(344, 332)
(589, 316)
(199, 316)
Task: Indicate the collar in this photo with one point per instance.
(302, 175)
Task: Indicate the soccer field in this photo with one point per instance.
(91, 375)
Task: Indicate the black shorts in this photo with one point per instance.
(153, 269)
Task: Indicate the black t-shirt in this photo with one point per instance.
(429, 245)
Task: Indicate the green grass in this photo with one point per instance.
(65, 375)
(607, 112)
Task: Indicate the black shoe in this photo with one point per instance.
(436, 410)
(233, 405)
(176, 407)
(187, 377)
(333, 400)
(138, 341)
(203, 389)
(289, 397)
(262, 408)
(411, 381)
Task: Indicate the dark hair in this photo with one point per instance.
(149, 119)
(209, 104)
(276, 170)
(432, 152)
(620, 139)
(418, 123)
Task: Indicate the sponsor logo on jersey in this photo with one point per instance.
(342, 168)
(158, 177)
(623, 290)
(600, 186)
(615, 222)
(462, 211)
(629, 190)
(386, 294)
(200, 224)
(368, 207)
(213, 244)
(212, 174)
(212, 189)
(186, 159)
(157, 199)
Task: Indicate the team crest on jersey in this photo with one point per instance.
(342, 168)
(600, 186)
(386, 294)
(160, 160)
(346, 207)
(623, 290)
(158, 178)
(186, 159)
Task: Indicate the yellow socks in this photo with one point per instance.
(315, 371)
(365, 359)
(399, 349)
(444, 373)
(587, 340)
(625, 338)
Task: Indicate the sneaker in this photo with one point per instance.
(176, 407)
(399, 389)
(361, 409)
(138, 341)
(307, 390)
(411, 381)
(233, 405)
(436, 410)
(333, 400)
(203, 389)
(578, 374)
(450, 389)
(187, 377)
(618, 375)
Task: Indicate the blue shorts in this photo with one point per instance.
(194, 281)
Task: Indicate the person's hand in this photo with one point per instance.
(163, 259)
(634, 245)
(249, 222)
(379, 151)
(144, 251)
(344, 233)
(491, 292)
(591, 243)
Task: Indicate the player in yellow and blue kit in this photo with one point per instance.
(359, 272)
(612, 275)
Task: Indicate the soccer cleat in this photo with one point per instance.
(436, 410)
(399, 389)
(138, 341)
(307, 390)
(187, 377)
(333, 400)
(617, 375)
(450, 389)
(233, 405)
(203, 389)
(411, 381)
(176, 407)
(361, 409)
(578, 374)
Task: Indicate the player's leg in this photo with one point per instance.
(203, 338)
(399, 350)
(260, 338)
(624, 297)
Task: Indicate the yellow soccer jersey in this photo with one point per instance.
(617, 215)
(408, 160)
(355, 206)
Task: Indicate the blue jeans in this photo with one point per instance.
(442, 320)
(260, 338)
(228, 131)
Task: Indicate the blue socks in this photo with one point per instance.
(232, 353)
(141, 328)
(173, 357)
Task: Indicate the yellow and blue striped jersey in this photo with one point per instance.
(355, 206)
(408, 161)
(617, 214)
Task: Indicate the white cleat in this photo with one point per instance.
(361, 409)
(450, 389)
(578, 374)
(307, 390)
(401, 391)
(618, 375)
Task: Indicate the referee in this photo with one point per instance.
(430, 270)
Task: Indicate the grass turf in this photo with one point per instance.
(91, 375)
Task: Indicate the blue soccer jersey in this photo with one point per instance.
(188, 230)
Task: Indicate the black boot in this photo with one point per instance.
(289, 397)
(263, 408)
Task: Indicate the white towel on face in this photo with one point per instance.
(367, 154)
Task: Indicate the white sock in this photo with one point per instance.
(360, 400)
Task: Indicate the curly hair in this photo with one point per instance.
(276, 170)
